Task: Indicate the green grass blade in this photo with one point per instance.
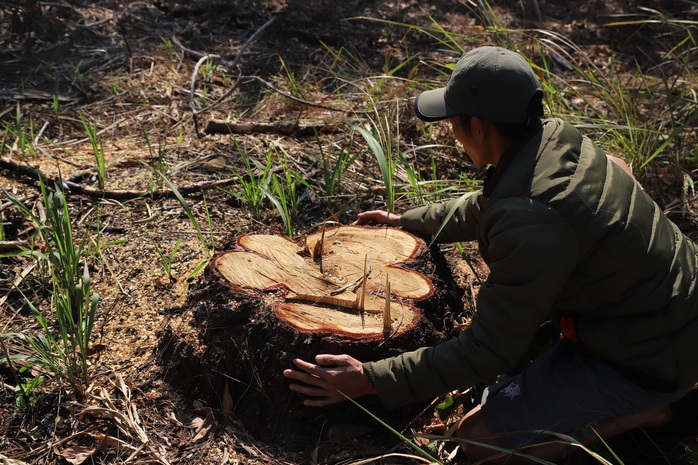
(406, 440)
(384, 164)
(188, 212)
(460, 201)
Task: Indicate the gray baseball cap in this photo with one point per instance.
(488, 82)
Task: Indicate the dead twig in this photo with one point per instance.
(217, 126)
(75, 188)
(122, 411)
(289, 96)
(15, 284)
(48, 446)
(8, 361)
(232, 65)
(202, 58)
(12, 246)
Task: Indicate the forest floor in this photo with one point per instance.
(130, 68)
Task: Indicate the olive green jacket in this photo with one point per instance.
(564, 230)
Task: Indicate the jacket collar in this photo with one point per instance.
(495, 173)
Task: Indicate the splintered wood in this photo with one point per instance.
(343, 280)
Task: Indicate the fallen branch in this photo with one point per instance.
(156, 194)
(217, 126)
(118, 194)
(291, 97)
(202, 58)
(12, 246)
(15, 284)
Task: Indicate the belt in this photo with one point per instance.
(636, 376)
(567, 327)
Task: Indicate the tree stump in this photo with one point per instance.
(356, 290)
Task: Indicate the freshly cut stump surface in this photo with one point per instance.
(323, 283)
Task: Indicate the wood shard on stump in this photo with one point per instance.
(356, 290)
(348, 297)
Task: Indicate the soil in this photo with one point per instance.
(128, 67)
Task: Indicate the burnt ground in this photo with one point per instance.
(128, 67)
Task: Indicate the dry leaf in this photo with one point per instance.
(216, 163)
(174, 419)
(203, 426)
(96, 348)
(227, 400)
(76, 454)
(108, 441)
(8, 461)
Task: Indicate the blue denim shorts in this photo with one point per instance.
(565, 390)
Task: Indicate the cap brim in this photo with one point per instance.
(431, 105)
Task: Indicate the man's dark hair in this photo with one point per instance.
(516, 130)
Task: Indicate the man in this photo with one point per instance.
(569, 237)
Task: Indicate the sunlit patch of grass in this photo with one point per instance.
(166, 260)
(287, 192)
(380, 144)
(251, 183)
(65, 353)
(100, 164)
(639, 118)
(20, 136)
(206, 236)
(335, 162)
(161, 169)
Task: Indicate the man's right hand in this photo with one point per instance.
(374, 217)
(330, 380)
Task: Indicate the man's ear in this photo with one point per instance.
(479, 128)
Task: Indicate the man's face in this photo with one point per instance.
(466, 136)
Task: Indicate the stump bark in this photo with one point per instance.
(357, 290)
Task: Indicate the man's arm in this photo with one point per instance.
(428, 221)
(461, 225)
(374, 217)
(532, 251)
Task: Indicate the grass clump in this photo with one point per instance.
(62, 351)
(252, 183)
(287, 191)
(334, 164)
(381, 146)
(100, 164)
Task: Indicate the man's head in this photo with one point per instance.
(487, 82)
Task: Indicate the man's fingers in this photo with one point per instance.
(307, 378)
(312, 391)
(319, 396)
(366, 218)
(324, 362)
(330, 375)
(307, 367)
(329, 360)
(324, 402)
(302, 364)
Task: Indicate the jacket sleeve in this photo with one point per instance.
(426, 221)
(532, 251)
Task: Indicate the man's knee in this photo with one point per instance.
(473, 429)
(472, 425)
